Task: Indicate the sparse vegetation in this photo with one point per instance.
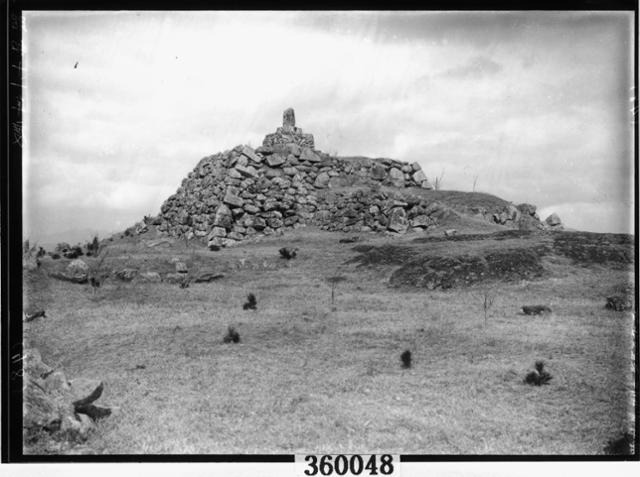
(288, 253)
(332, 373)
(232, 336)
(405, 357)
(538, 376)
(536, 310)
(251, 303)
(98, 271)
(621, 446)
(487, 297)
(333, 281)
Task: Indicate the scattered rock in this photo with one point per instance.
(33, 315)
(350, 239)
(181, 267)
(553, 220)
(151, 277)
(78, 270)
(398, 220)
(206, 277)
(450, 232)
(174, 278)
(53, 405)
(126, 274)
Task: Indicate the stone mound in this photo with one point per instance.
(245, 192)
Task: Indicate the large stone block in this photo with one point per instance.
(322, 180)
(398, 220)
(247, 171)
(231, 198)
(308, 155)
(419, 177)
(250, 153)
(275, 160)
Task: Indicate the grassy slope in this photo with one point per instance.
(309, 378)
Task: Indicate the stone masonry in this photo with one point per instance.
(235, 195)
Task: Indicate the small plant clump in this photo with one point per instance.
(232, 336)
(621, 446)
(536, 310)
(250, 303)
(406, 359)
(288, 253)
(538, 376)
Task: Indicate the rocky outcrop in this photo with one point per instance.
(241, 193)
(53, 406)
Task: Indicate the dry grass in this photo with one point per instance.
(305, 378)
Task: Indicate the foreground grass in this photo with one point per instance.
(309, 376)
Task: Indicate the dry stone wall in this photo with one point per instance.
(234, 195)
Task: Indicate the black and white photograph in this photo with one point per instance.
(381, 233)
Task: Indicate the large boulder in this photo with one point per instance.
(322, 180)
(397, 177)
(232, 198)
(398, 220)
(78, 270)
(126, 274)
(553, 221)
(250, 153)
(151, 277)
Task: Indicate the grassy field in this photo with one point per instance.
(312, 376)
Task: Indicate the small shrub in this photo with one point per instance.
(619, 303)
(536, 310)
(251, 302)
(621, 446)
(538, 376)
(232, 336)
(288, 253)
(333, 281)
(350, 239)
(406, 359)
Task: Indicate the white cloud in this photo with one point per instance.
(538, 116)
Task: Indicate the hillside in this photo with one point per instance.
(317, 304)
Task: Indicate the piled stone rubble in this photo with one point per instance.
(235, 195)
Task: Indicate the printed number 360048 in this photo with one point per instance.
(349, 465)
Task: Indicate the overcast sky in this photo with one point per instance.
(537, 105)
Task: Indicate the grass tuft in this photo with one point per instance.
(620, 446)
(250, 303)
(539, 376)
(406, 359)
(232, 336)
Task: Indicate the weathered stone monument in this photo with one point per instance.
(289, 133)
